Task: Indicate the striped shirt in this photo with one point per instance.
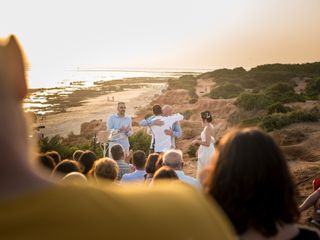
(123, 168)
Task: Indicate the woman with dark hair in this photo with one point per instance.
(86, 161)
(55, 155)
(206, 142)
(151, 166)
(251, 181)
(164, 173)
(47, 161)
(64, 167)
(77, 154)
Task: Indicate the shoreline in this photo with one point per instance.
(47, 101)
(98, 107)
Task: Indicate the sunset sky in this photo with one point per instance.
(163, 34)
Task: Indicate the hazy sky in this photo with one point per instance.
(163, 33)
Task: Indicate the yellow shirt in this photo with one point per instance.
(75, 212)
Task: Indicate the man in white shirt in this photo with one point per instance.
(162, 141)
(173, 158)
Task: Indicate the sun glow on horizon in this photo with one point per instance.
(204, 34)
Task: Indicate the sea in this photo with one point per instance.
(67, 81)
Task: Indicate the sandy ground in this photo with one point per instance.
(204, 86)
(99, 108)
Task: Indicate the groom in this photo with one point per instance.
(161, 128)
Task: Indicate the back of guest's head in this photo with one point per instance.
(206, 116)
(151, 163)
(47, 161)
(55, 155)
(251, 181)
(77, 154)
(139, 159)
(173, 158)
(157, 110)
(86, 161)
(105, 168)
(65, 167)
(117, 152)
(165, 172)
(159, 162)
(74, 177)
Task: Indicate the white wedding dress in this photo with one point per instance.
(205, 153)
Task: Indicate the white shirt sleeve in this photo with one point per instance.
(174, 118)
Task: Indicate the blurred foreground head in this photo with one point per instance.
(251, 181)
(13, 88)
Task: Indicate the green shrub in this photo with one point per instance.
(251, 122)
(252, 101)
(227, 90)
(187, 82)
(278, 108)
(192, 151)
(193, 100)
(140, 141)
(283, 93)
(187, 114)
(58, 143)
(312, 90)
(280, 120)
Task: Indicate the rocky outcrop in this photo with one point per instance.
(92, 127)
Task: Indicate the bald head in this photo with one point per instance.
(173, 158)
(167, 110)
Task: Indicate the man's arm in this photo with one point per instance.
(310, 201)
(110, 124)
(146, 122)
(150, 122)
(130, 130)
(174, 118)
(176, 130)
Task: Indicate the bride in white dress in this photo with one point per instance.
(206, 149)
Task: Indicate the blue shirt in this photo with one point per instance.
(136, 176)
(117, 122)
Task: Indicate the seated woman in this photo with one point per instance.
(165, 173)
(151, 166)
(251, 181)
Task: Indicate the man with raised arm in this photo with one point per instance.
(120, 127)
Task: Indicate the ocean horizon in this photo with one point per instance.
(66, 82)
(86, 77)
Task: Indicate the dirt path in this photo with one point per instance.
(301, 85)
(204, 86)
